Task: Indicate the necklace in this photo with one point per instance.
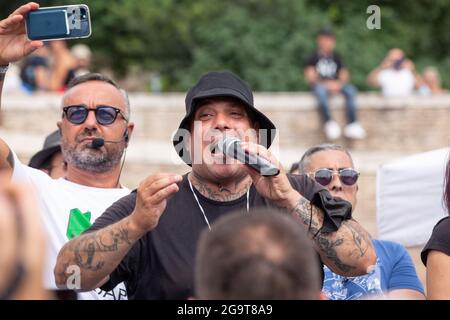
(203, 211)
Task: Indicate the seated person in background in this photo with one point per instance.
(326, 74)
(258, 256)
(63, 66)
(82, 55)
(50, 159)
(22, 247)
(436, 254)
(13, 82)
(51, 67)
(35, 70)
(396, 75)
(394, 274)
(431, 82)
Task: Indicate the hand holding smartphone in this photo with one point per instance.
(62, 22)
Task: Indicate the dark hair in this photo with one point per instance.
(447, 186)
(304, 161)
(100, 77)
(327, 31)
(47, 164)
(294, 167)
(262, 255)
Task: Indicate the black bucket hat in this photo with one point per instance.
(52, 144)
(220, 84)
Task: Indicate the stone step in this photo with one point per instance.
(403, 125)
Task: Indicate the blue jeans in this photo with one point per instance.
(349, 92)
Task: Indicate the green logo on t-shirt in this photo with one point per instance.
(78, 223)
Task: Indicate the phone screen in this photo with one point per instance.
(47, 24)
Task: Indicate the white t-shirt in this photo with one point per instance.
(67, 210)
(396, 83)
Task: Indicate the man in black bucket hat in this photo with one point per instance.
(50, 158)
(154, 230)
(214, 85)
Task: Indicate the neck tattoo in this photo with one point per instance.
(218, 191)
(201, 207)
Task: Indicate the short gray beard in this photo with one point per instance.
(92, 160)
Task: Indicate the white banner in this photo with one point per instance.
(409, 197)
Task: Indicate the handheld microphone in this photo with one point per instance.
(231, 146)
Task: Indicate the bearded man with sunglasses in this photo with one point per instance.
(95, 130)
(394, 275)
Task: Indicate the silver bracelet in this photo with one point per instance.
(3, 69)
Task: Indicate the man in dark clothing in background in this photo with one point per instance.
(326, 74)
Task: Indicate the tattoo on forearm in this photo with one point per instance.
(360, 237)
(328, 247)
(305, 211)
(312, 217)
(86, 248)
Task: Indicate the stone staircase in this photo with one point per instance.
(395, 128)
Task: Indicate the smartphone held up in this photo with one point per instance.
(62, 22)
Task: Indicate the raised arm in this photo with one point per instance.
(98, 253)
(344, 76)
(347, 251)
(14, 45)
(372, 78)
(311, 75)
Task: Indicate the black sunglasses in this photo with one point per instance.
(104, 114)
(348, 176)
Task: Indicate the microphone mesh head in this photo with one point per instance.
(97, 143)
(225, 142)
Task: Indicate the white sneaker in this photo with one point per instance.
(354, 130)
(332, 130)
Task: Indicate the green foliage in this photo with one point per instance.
(264, 41)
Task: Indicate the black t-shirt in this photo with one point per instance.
(161, 264)
(439, 240)
(327, 67)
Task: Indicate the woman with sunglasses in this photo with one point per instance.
(436, 254)
(394, 275)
